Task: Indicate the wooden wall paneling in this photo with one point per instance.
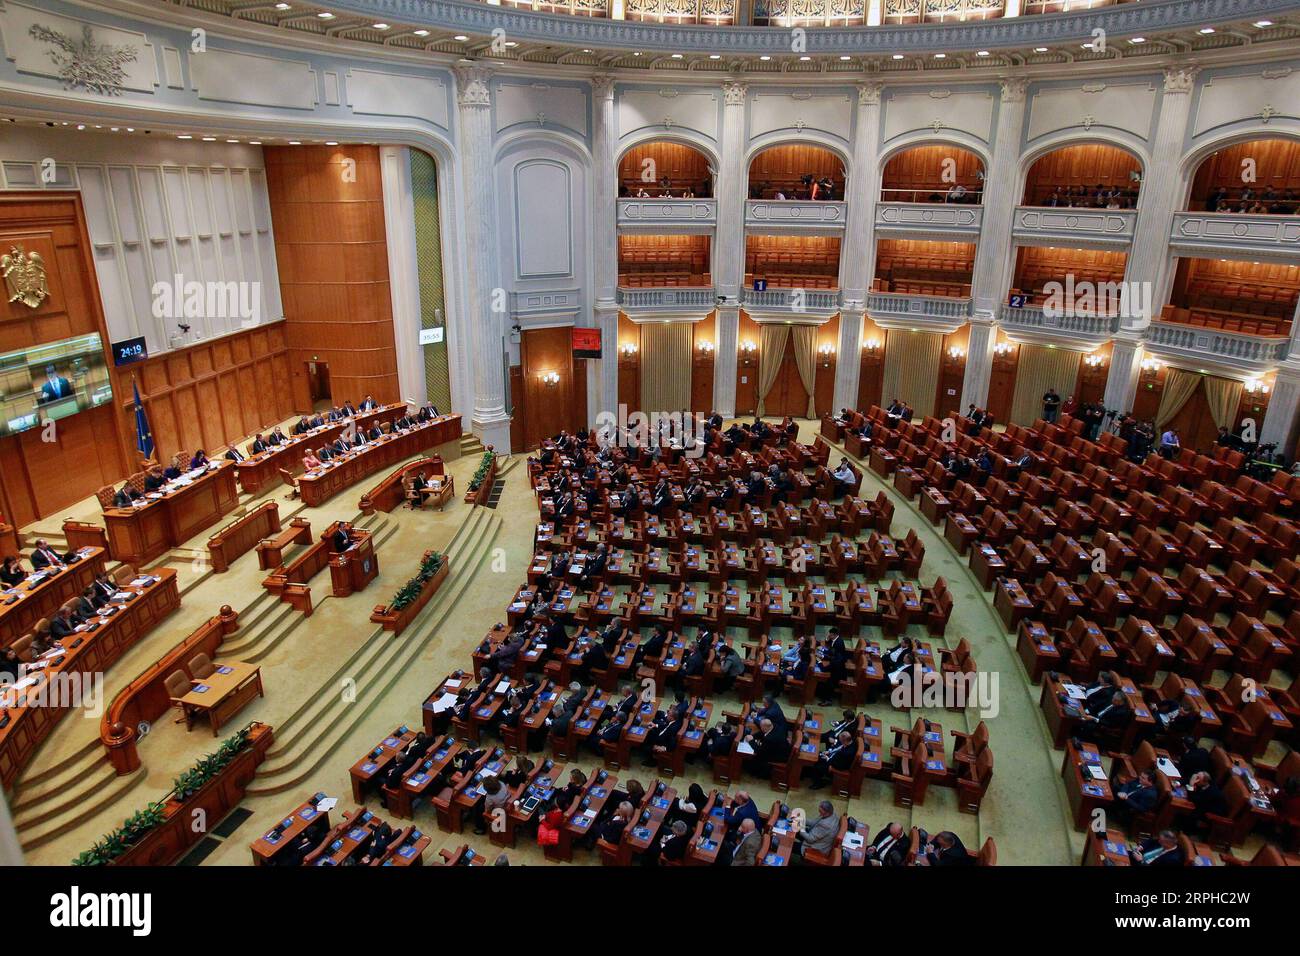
(871, 374)
(916, 173)
(332, 253)
(629, 364)
(679, 162)
(824, 382)
(702, 364)
(1090, 386)
(518, 412)
(1002, 384)
(37, 476)
(547, 409)
(952, 371)
(1085, 165)
(746, 365)
(783, 167)
(1151, 386)
(1276, 165)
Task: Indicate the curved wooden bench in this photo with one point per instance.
(391, 492)
(241, 535)
(270, 553)
(292, 581)
(146, 698)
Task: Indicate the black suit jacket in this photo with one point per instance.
(40, 560)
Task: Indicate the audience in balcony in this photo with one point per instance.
(1101, 197)
(1268, 201)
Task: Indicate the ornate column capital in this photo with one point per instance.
(602, 86)
(869, 94)
(1013, 89)
(1180, 79)
(472, 88)
(733, 92)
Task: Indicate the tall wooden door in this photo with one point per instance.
(1194, 423)
(788, 396)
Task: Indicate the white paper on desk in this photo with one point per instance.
(1096, 771)
(1075, 691)
(25, 682)
(852, 841)
(328, 804)
(453, 684)
(503, 687)
(744, 748)
(1166, 766)
(445, 702)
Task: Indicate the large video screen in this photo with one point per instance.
(52, 381)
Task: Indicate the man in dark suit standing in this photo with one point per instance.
(341, 540)
(369, 405)
(55, 385)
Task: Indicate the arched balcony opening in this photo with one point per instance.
(664, 169)
(1257, 177)
(792, 262)
(922, 267)
(933, 173)
(1073, 281)
(1085, 175)
(796, 171)
(1239, 296)
(660, 261)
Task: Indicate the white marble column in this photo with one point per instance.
(1002, 185)
(979, 363)
(857, 254)
(487, 327)
(605, 284)
(729, 244)
(1282, 420)
(1125, 367)
(1149, 259)
(403, 270)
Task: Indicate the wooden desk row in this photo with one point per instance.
(319, 486)
(32, 711)
(40, 595)
(139, 535)
(262, 470)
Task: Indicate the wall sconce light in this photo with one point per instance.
(1092, 360)
(1256, 387)
(956, 353)
(872, 345)
(1150, 365)
(748, 347)
(551, 379)
(1002, 348)
(706, 347)
(628, 348)
(827, 350)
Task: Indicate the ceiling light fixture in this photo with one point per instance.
(282, 6)
(421, 33)
(184, 136)
(765, 58)
(461, 37)
(381, 26)
(325, 16)
(1205, 30)
(1263, 23)
(1040, 49)
(1137, 39)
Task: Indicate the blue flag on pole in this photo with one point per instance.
(143, 437)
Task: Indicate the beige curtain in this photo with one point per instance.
(665, 366)
(1180, 386)
(805, 354)
(912, 369)
(1039, 369)
(1224, 395)
(771, 345)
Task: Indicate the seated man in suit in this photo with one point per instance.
(594, 658)
(945, 849)
(742, 808)
(43, 556)
(1206, 797)
(611, 831)
(155, 479)
(428, 412)
(821, 833)
(1138, 795)
(277, 437)
(88, 605)
(1162, 851)
(259, 445)
(325, 452)
(889, 848)
(124, 496)
(234, 454)
(349, 409)
(64, 622)
(837, 756)
(375, 433)
(744, 852)
(1115, 716)
(662, 737)
(369, 405)
(302, 426)
(771, 745)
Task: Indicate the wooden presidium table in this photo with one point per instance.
(222, 694)
(44, 592)
(319, 485)
(66, 676)
(263, 469)
(167, 519)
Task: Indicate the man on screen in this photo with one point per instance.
(55, 385)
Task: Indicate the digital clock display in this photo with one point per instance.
(131, 350)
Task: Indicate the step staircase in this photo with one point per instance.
(317, 730)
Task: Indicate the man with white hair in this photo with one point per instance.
(820, 835)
